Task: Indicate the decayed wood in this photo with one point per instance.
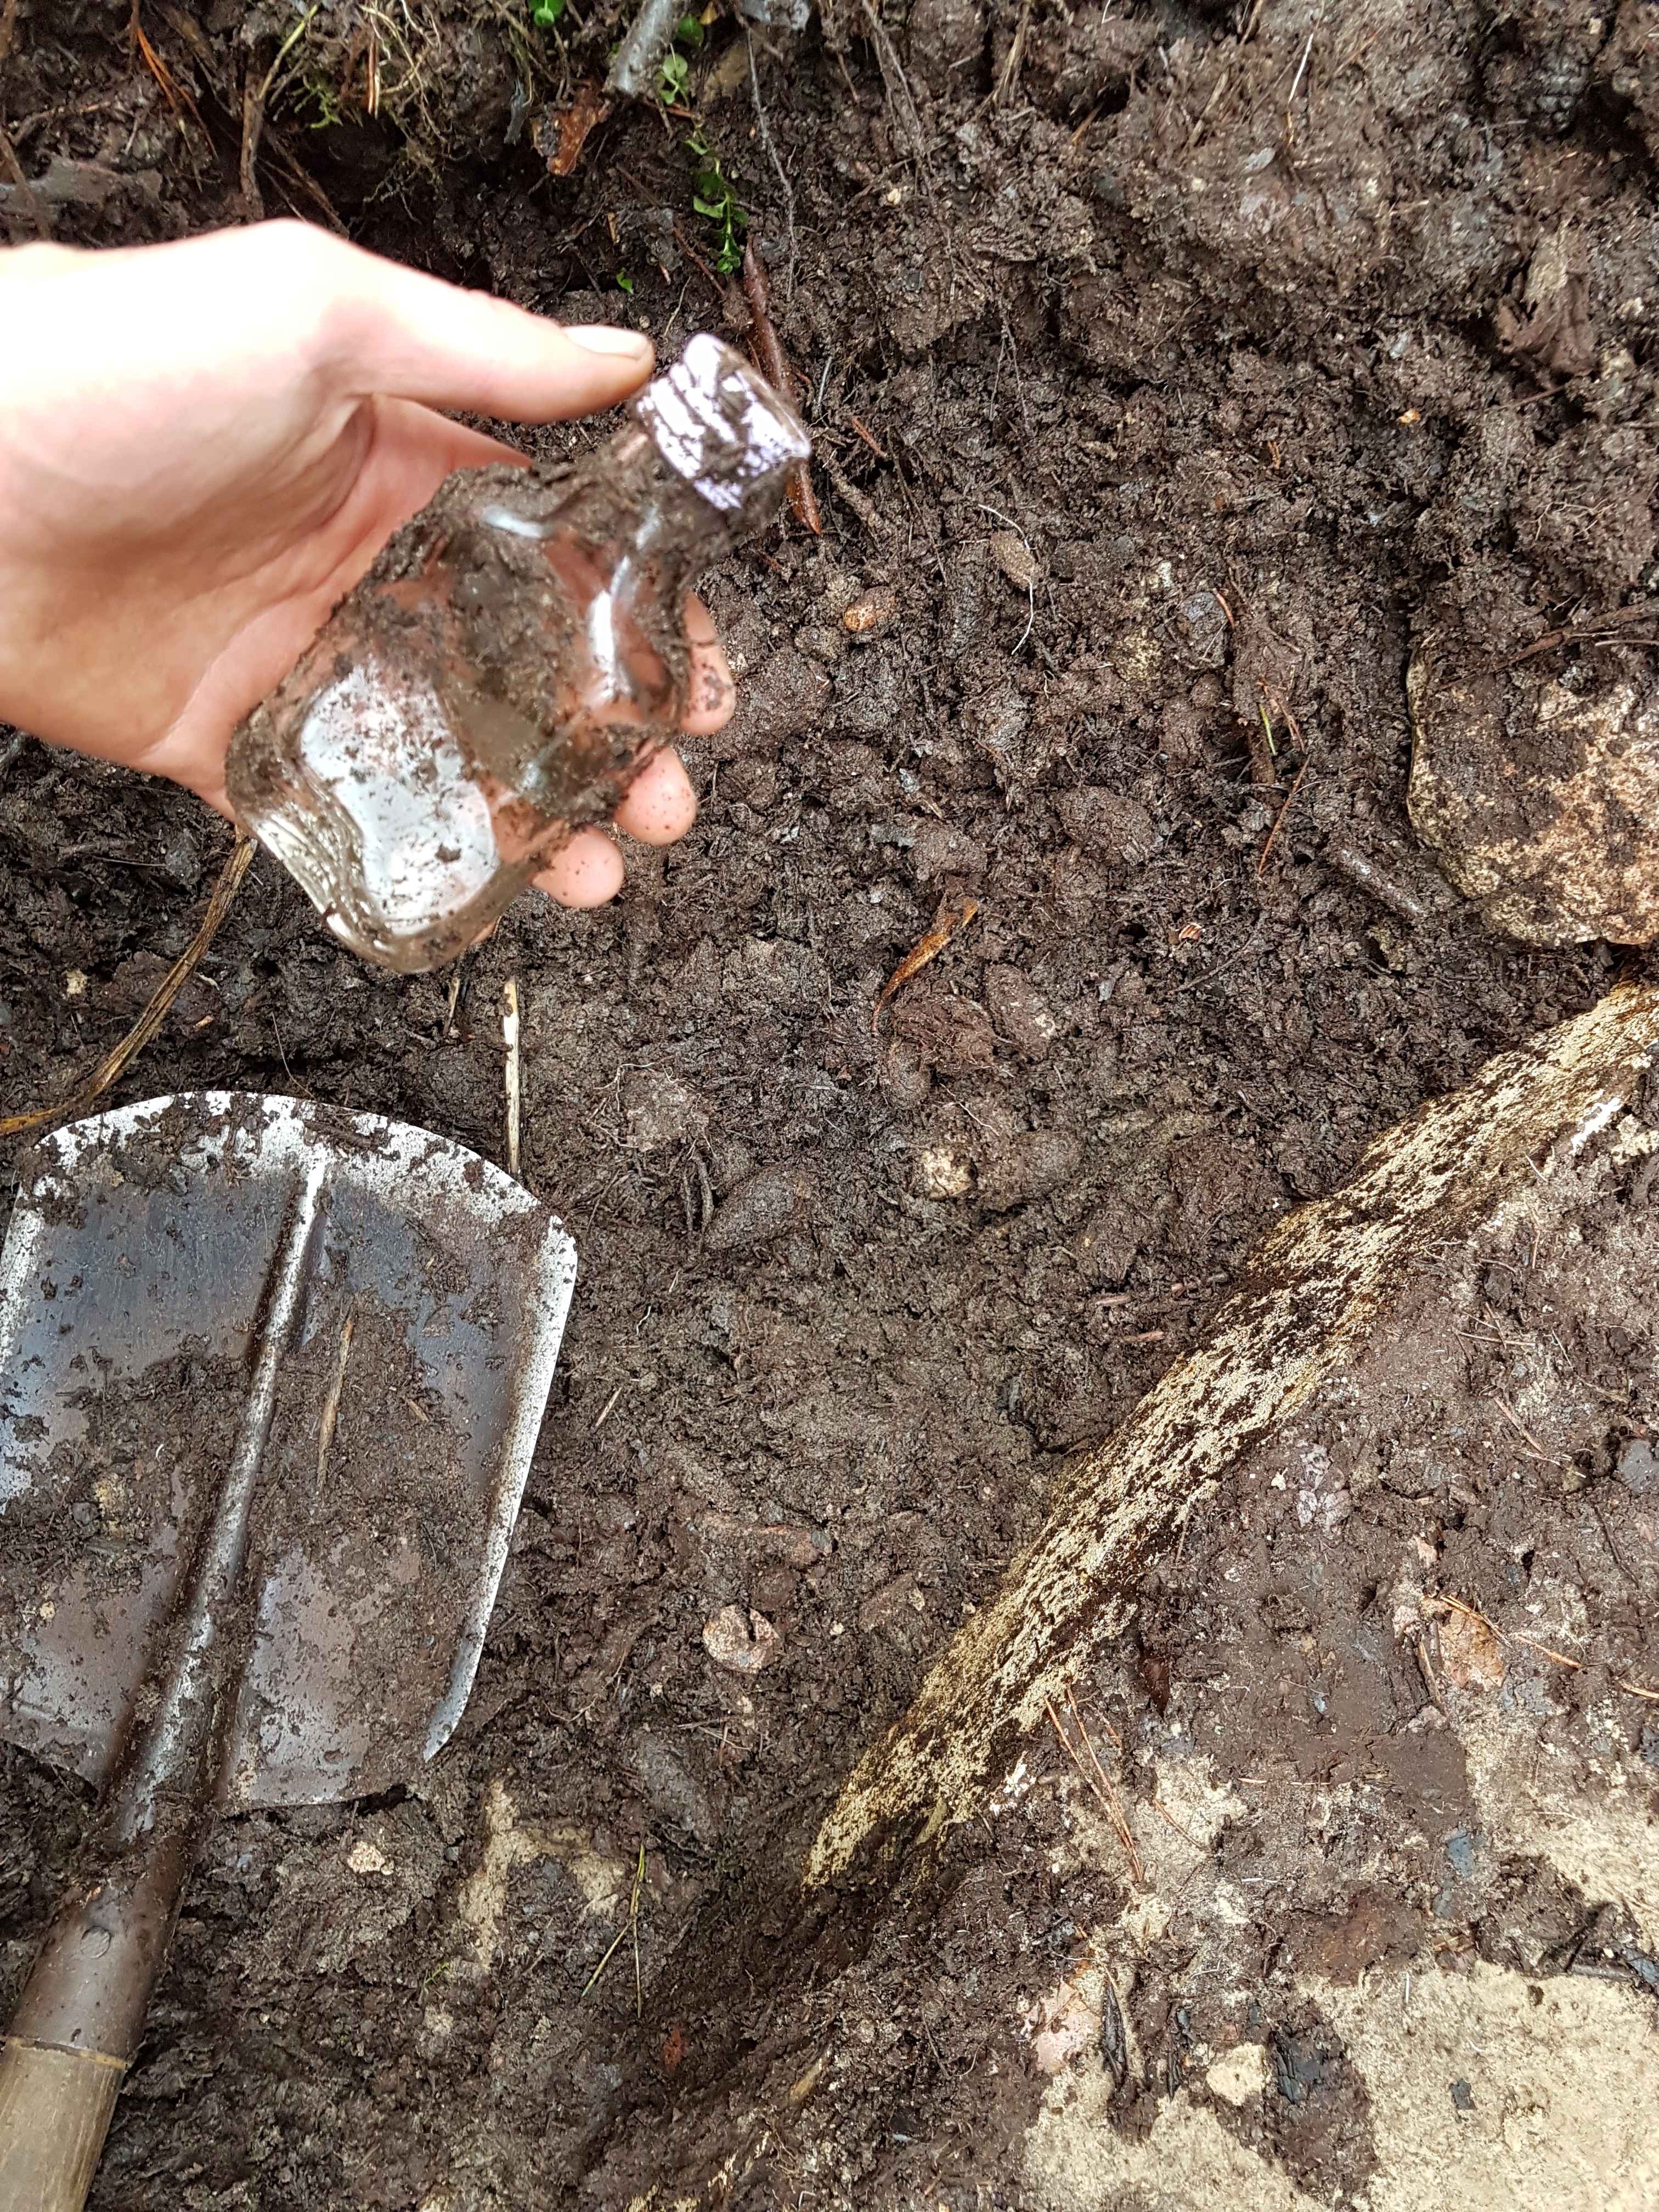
(1307, 1295)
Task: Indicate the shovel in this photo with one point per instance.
(270, 1378)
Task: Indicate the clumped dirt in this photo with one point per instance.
(1201, 359)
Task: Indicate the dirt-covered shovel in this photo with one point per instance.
(270, 1377)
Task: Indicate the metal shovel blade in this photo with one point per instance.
(150, 1256)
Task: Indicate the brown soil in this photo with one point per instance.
(1198, 379)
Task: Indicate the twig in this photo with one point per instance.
(25, 188)
(1010, 75)
(696, 260)
(1279, 824)
(8, 30)
(172, 91)
(224, 892)
(332, 1403)
(948, 923)
(634, 72)
(1636, 1691)
(254, 122)
(1526, 1435)
(510, 1039)
(772, 155)
(868, 436)
(1158, 1805)
(1097, 1784)
(892, 72)
(1559, 1657)
(773, 363)
(866, 509)
(630, 1926)
(610, 1407)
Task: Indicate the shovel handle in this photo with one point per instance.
(55, 2108)
(79, 2021)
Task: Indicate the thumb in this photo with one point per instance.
(413, 337)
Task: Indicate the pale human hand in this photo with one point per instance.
(202, 447)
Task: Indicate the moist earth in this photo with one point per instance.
(1171, 370)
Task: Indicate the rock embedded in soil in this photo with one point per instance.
(742, 1643)
(762, 1206)
(1019, 1011)
(1107, 823)
(1537, 786)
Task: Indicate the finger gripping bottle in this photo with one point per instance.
(510, 663)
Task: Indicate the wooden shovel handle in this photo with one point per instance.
(55, 2108)
(79, 2020)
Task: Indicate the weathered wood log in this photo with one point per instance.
(1306, 1299)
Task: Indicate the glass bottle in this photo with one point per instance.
(510, 664)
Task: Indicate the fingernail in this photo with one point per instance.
(605, 337)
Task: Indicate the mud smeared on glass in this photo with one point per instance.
(507, 668)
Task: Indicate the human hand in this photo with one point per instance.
(202, 447)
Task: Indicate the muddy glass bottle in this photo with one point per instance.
(507, 666)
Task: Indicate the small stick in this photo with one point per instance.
(332, 1403)
(1097, 1784)
(867, 436)
(510, 1039)
(634, 72)
(26, 193)
(1526, 1435)
(224, 892)
(254, 122)
(1158, 1805)
(610, 1407)
(772, 155)
(696, 260)
(172, 90)
(774, 363)
(1559, 1657)
(948, 923)
(1279, 824)
(1636, 1691)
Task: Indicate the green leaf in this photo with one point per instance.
(675, 71)
(546, 13)
(689, 31)
(713, 209)
(624, 281)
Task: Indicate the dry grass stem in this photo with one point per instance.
(948, 923)
(224, 892)
(1097, 1783)
(514, 1071)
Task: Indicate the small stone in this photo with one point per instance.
(1107, 822)
(1471, 1657)
(742, 1643)
(661, 1111)
(1015, 558)
(761, 1207)
(943, 1172)
(1241, 2074)
(365, 1857)
(75, 983)
(936, 850)
(868, 617)
(1019, 1011)
(1026, 1167)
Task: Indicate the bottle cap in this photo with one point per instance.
(717, 423)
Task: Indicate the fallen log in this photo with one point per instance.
(1308, 1295)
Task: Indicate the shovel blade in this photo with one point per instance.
(133, 1284)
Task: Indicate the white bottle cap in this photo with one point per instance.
(717, 423)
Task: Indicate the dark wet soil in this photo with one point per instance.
(1164, 382)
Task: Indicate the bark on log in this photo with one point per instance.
(1307, 1297)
